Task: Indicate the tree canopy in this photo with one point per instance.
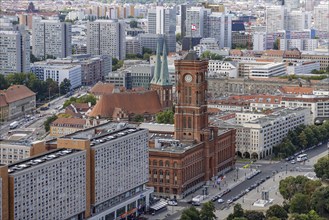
(211, 56)
(43, 89)
(48, 121)
(207, 212)
(166, 117)
(321, 168)
(301, 138)
(65, 86)
(83, 99)
(277, 211)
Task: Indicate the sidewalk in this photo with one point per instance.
(232, 179)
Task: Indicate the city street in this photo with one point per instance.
(274, 171)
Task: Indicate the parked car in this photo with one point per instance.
(229, 201)
(220, 201)
(172, 203)
(293, 162)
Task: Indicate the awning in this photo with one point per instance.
(159, 205)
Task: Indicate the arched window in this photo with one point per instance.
(161, 163)
(155, 163)
(167, 163)
(175, 165)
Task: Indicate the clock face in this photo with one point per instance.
(188, 78)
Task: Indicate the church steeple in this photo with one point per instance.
(157, 70)
(164, 73)
(161, 81)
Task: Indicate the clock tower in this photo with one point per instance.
(191, 118)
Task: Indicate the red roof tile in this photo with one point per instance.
(137, 103)
(102, 88)
(17, 92)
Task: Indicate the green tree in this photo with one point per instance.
(321, 168)
(320, 200)
(311, 215)
(276, 211)
(276, 44)
(190, 214)
(208, 211)
(147, 50)
(300, 203)
(33, 58)
(211, 56)
(303, 140)
(65, 86)
(84, 99)
(254, 215)
(138, 118)
(3, 82)
(52, 86)
(238, 212)
(166, 117)
(116, 64)
(16, 78)
(289, 186)
(178, 37)
(48, 121)
(146, 56)
(133, 24)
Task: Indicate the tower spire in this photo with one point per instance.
(164, 73)
(157, 70)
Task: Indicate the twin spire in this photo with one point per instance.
(161, 73)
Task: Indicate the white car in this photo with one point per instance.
(173, 203)
(220, 200)
(293, 162)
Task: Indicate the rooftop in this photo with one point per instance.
(14, 93)
(39, 160)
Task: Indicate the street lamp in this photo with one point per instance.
(286, 167)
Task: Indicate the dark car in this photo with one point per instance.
(268, 177)
(215, 198)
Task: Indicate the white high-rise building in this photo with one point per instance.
(162, 22)
(259, 41)
(300, 44)
(321, 16)
(274, 18)
(220, 28)
(106, 37)
(291, 4)
(297, 20)
(14, 51)
(195, 19)
(51, 38)
(281, 18)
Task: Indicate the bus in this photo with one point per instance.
(301, 157)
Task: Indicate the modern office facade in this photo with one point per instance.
(81, 178)
(321, 21)
(51, 38)
(14, 51)
(58, 72)
(106, 37)
(268, 70)
(256, 138)
(219, 26)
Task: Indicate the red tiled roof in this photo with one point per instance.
(3, 101)
(17, 92)
(102, 88)
(296, 90)
(137, 103)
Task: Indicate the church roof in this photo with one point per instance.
(164, 73)
(157, 70)
(136, 103)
